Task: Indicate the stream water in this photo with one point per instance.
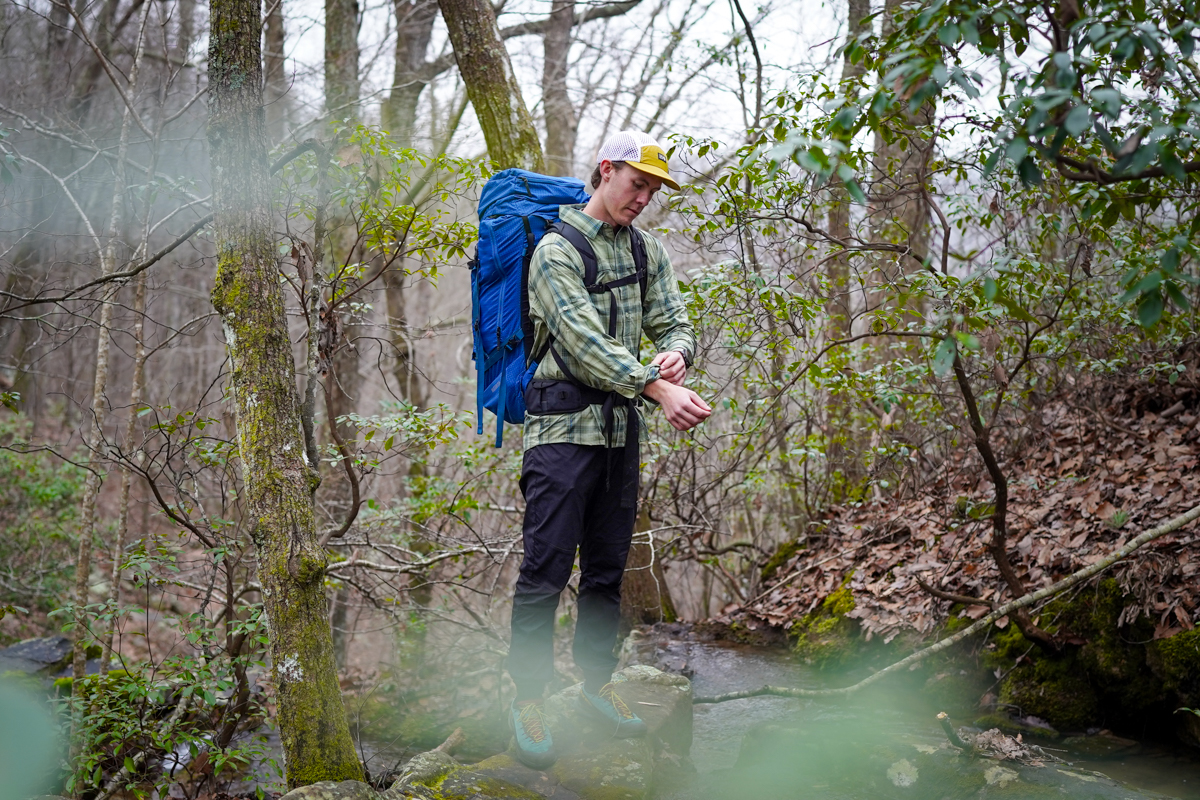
(824, 733)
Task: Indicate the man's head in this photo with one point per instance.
(630, 168)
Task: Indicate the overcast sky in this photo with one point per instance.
(793, 36)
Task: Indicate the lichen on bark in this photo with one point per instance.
(312, 721)
(512, 141)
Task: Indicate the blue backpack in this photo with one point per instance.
(516, 208)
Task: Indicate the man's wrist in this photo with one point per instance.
(654, 383)
(653, 373)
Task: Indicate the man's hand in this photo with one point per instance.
(683, 407)
(671, 366)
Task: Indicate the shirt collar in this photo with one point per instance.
(593, 228)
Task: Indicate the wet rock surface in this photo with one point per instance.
(334, 790)
(829, 760)
(45, 655)
(592, 764)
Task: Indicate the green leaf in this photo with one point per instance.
(1170, 260)
(387, 444)
(1150, 309)
(1016, 150)
(992, 161)
(1109, 100)
(1015, 310)
(948, 34)
(1146, 285)
(990, 289)
(1030, 172)
(1177, 297)
(856, 192)
(943, 357)
(1078, 121)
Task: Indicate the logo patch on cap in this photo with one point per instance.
(661, 157)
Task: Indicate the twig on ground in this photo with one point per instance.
(452, 741)
(944, 720)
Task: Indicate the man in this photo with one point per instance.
(579, 476)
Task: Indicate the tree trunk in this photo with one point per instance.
(899, 206)
(838, 306)
(414, 27)
(341, 59)
(135, 401)
(276, 72)
(645, 597)
(507, 127)
(278, 481)
(561, 125)
(842, 448)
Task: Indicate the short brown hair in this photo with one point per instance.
(597, 177)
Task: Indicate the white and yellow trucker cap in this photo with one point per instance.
(638, 150)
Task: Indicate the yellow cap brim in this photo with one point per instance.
(657, 172)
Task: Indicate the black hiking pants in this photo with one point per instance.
(570, 504)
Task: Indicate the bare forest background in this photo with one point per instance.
(919, 242)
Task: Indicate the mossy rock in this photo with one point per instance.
(826, 637)
(1176, 660)
(437, 776)
(591, 765)
(333, 790)
(781, 556)
(1055, 690)
(379, 717)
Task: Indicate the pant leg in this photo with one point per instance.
(556, 480)
(607, 534)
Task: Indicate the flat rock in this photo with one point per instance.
(592, 764)
(46, 654)
(333, 790)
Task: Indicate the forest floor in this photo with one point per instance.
(1082, 484)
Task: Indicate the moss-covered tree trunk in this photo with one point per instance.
(508, 129)
(278, 480)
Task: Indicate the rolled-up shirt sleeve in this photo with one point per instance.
(664, 312)
(559, 300)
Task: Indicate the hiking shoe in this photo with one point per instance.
(608, 706)
(535, 747)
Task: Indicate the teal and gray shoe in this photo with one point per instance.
(535, 747)
(608, 706)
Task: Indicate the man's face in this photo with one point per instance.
(627, 191)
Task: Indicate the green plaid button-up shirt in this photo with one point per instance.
(559, 304)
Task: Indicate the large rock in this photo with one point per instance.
(333, 790)
(46, 655)
(591, 765)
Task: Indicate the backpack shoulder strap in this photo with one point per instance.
(640, 260)
(591, 268)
